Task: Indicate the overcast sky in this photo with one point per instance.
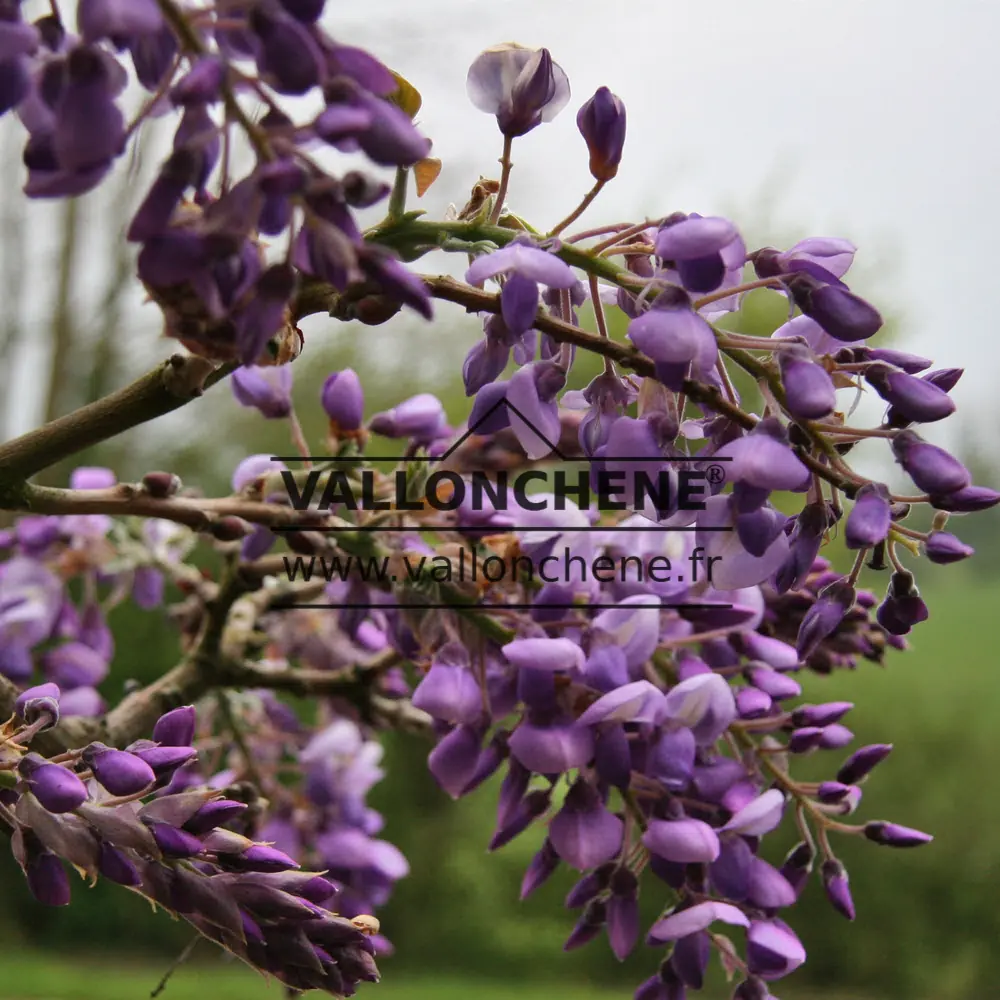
(874, 120)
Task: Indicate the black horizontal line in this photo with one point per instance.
(498, 528)
(497, 607)
(428, 458)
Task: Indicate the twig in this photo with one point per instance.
(175, 965)
(170, 385)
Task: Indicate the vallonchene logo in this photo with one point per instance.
(676, 484)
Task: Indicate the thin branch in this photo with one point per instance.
(170, 385)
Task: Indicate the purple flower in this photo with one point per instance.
(764, 460)
(544, 654)
(89, 128)
(552, 749)
(254, 468)
(449, 690)
(522, 87)
(268, 390)
(694, 919)
(903, 606)
(734, 566)
(824, 258)
(583, 833)
(532, 408)
(773, 950)
(705, 704)
(540, 266)
(696, 247)
(686, 841)
(601, 122)
(966, 500)
(633, 626)
(639, 701)
(288, 57)
(117, 19)
(454, 760)
(676, 338)
(30, 599)
(760, 816)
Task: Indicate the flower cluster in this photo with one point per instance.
(201, 254)
(113, 814)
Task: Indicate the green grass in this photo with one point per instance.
(34, 976)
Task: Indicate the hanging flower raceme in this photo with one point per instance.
(178, 850)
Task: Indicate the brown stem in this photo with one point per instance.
(580, 209)
(170, 385)
(505, 167)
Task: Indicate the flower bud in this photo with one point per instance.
(870, 518)
(825, 616)
(893, 835)
(35, 703)
(175, 728)
(835, 882)
(161, 485)
(832, 792)
(809, 390)
(842, 314)
(120, 772)
(344, 401)
(56, 787)
(914, 399)
(862, 761)
(543, 865)
(268, 389)
(117, 866)
(903, 606)
(174, 843)
(47, 879)
(943, 548)
(821, 715)
(601, 122)
(164, 760)
(966, 500)
(931, 468)
(230, 528)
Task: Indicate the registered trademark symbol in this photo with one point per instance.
(715, 474)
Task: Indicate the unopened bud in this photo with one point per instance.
(161, 485)
(229, 528)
